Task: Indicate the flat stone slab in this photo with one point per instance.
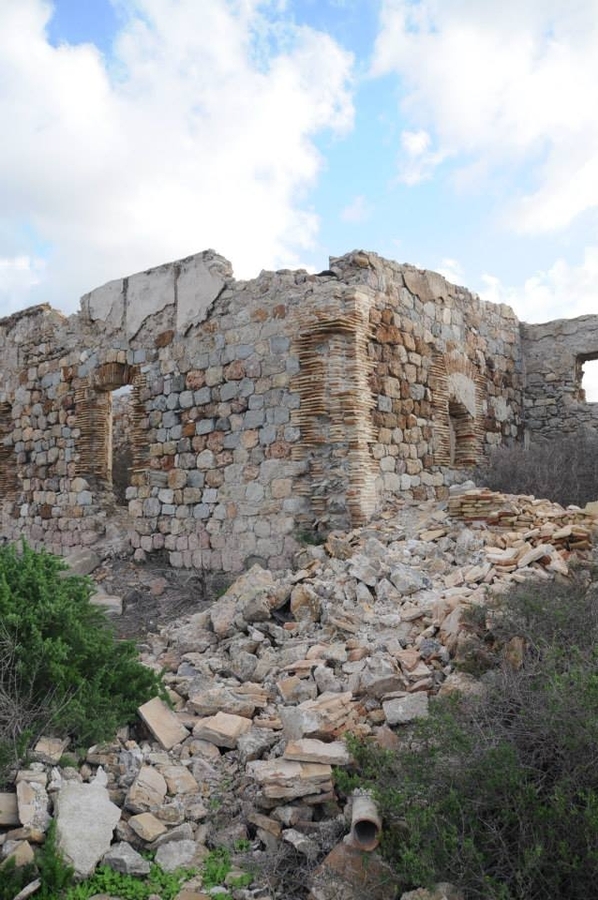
(288, 779)
(85, 822)
(9, 813)
(147, 791)
(310, 750)
(163, 723)
(147, 826)
(222, 729)
(401, 710)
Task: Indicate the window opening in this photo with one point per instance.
(113, 441)
(587, 376)
(121, 441)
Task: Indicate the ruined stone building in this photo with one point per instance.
(221, 418)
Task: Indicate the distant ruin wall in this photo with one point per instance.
(257, 409)
(555, 353)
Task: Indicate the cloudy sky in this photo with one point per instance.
(458, 135)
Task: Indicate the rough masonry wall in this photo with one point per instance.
(554, 356)
(257, 408)
(446, 378)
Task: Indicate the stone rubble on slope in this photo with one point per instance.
(266, 682)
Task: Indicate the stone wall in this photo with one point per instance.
(257, 409)
(554, 353)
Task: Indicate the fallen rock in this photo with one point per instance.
(350, 874)
(9, 812)
(123, 858)
(85, 821)
(401, 710)
(223, 730)
(162, 723)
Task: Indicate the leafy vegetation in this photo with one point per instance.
(56, 879)
(129, 887)
(499, 794)
(60, 664)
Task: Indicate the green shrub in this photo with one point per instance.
(499, 794)
(107, 882)
(13, 879)
(60, 664)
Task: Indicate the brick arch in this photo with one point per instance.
(457, 389)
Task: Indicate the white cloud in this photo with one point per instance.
(197, 133)
(358, 210)
(18, 274)
(502, 84)
(452, 270)
(563, 290)
(417, 162)
(415, 142)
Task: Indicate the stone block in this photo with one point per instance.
(147, 826)
(147, 791)
(179, 780)
(85, 822)
(401, 710)
(223, 729)
(334, 753)
(9, 813)
(162, 723)
(286, 779)
(123, 858)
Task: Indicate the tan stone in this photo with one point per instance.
(147, 791)
(179, 780)
(288, 779)
(9, 814)
(162, 723)
(222, 729)
(22, 854)
(50, 749)
(311, 750)
(147, 826)
(351, 874)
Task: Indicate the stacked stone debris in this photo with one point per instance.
(525, 530)
(266, 683)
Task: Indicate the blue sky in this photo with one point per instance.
(457, 135)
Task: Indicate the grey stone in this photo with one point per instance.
(123, 858)
(176, 855)
(85, 821)
(82, 562)
(401, 710)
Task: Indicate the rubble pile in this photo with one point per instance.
(525, 530)
(266, 682)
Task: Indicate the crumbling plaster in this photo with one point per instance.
(259, 408)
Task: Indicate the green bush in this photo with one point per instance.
(61, 666)
(499, 794)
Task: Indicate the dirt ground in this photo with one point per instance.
(154, 594)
